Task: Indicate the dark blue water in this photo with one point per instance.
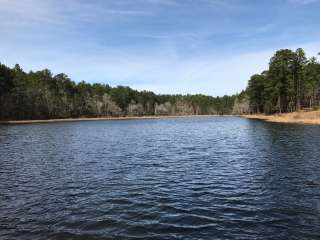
(183, 178)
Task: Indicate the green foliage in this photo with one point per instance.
(256, 92)
(42, 95)
(292, 82)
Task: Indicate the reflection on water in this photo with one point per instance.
(184, 178)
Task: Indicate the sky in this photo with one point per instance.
(210, 47)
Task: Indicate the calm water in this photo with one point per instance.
(183, 178)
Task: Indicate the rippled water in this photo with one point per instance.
(183, 178)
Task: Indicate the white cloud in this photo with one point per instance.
(303, 2)
(162, 2)
(55, 12)
(162, 71)
(162, 67)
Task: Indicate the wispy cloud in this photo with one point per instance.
(303, 2)
(90, 9)
(162, 71)
(58, 12)
(27, 11)
(162, 2)
(222, 4)
(168, 46)
(176, 35)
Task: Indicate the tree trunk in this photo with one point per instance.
(279, 100)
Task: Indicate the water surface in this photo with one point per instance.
(181, 178)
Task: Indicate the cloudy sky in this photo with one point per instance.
(167, 46)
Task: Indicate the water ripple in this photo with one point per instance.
(193, 178)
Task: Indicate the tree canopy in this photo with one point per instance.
(292, 82)
(42, 95)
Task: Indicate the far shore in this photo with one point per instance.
(302, 117)
(103, 119)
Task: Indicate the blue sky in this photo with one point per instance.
(167, 46)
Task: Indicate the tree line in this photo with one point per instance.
(292, 82)
(42, 95)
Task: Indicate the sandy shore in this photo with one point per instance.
(100, 119)
(312, 117)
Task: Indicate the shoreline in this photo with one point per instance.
(310, 118)
(82, 119)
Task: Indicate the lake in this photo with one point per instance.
(177, 178)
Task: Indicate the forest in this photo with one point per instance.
(291, 83)
(42, 95)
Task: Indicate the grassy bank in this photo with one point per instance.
(302, 117)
